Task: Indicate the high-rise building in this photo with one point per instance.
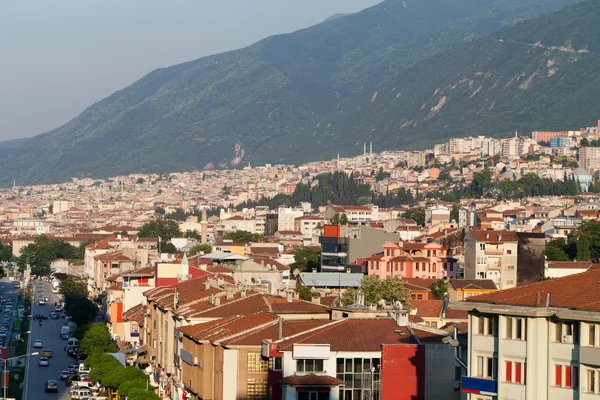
(589, 158)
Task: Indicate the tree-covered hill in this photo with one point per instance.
(542, 74)
(227, 109)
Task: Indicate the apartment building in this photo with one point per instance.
(355, 214)
(589, 158)
(310, 225)
(413, 260)
(287, 217)
(537, 341)
(492, 255)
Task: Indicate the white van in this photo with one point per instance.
(72, 342)
(80, 393)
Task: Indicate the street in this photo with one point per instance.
(36, 376)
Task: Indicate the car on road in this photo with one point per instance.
(39, 316)
(38, 344)
(54, 315)
(17, 286)
(44, 362)
(42, 302)
(51, 386)
(65, 375)
(47, 353)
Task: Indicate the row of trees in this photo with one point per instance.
(130, 382)
(390, 289)
(77, 304)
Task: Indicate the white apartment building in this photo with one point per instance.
(589, 158)
(59, 206)
(538, 341)
(286, 218)
(30, 227)
(310, 225)
(492, 255)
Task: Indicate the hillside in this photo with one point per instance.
(224, 110)
(542, 74)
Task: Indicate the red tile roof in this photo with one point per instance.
(427, 308)
(136, 314)
(493, 236)
(578, 291)
(570, 264)
(311, 380)
(229, 327)
(483, 284)
(280, 305)
(354, 335)
(289, 328)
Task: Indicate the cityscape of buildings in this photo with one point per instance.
(235, 322)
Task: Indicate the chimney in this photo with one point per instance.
(280, 328)
(316, 299)
(537, 298)
(348, 270)
(217, 301)
(243, 293)
(220, 281)
(289, 297)
(207, 284)
(211, 299)
(548, 299)
(230, 292)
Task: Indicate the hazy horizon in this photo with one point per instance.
(61, 57)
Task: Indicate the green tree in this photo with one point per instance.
(590, 229)
(392, 290)
(43, 250)
(166, 230)
(335, 220)
(244, 237)
(417, 214)
(348, 296)
(305, 259)
(455, 213)
(304, 292)
(97, 339)
(482, 181)
(201, 247)
(381, 175)
(101, 365)
(140, 181)
(5, 252)
(583, 248)
(74, 286)
(556, 250)
(438, 288)
(584, 142)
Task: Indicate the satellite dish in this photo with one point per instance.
(382, 303)
(398, 305)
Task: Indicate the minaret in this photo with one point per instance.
(516, 133)
(338, 162)
(364, 148)
(204, 228)
(371, 148)
(185, 268)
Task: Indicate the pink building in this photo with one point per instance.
(413, 260)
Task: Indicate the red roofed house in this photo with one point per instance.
(536, 341)
(363, 358)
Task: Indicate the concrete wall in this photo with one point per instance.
(531, 257)
(369, 242)
(440, 372)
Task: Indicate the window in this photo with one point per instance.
(566, 332)
(434, 325)
(359, 375)
(593, 335)
(566, 376)
(256, 362)
(515, 328)
(592, 378)
(256, 389)
(509, 252)
(135, 328)
(309, 366)
(486, 367)
(419, 297)
(509, 328)
(276, 363)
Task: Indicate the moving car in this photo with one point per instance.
(80, 393)
(47, 353)
(17, 286)
(39, 316)
(44, 362)
(38, 344)
(42, 302)
(53, 315)
(65, 375)
(51, 386)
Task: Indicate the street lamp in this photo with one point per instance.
(5, 370)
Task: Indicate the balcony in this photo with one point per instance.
(491, 251)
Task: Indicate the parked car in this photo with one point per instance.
(38, 344)
(44, 362)
(42, 302)
(51, 386)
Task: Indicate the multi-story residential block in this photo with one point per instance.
(589, 158)
(537, 341)
(436, 215)
(59, 206)
(30, 227)
(355, 214)
(341, 246)
(286, 218)
(545, 136)
(413, 260)
(310, 225)
(491, 255)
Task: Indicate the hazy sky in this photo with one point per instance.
(59, 56)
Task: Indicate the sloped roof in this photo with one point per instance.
(577, 292)
(289, 328)
(136, 314)
(354, 335)
(311, 380)
(494, 236)
(483, 284)
(427, 308)
(228, 327)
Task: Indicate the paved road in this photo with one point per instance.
(49, 333)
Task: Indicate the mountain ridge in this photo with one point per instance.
(227, 109)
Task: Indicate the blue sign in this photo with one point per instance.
(479, 386)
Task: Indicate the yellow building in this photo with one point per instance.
(462, 289)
